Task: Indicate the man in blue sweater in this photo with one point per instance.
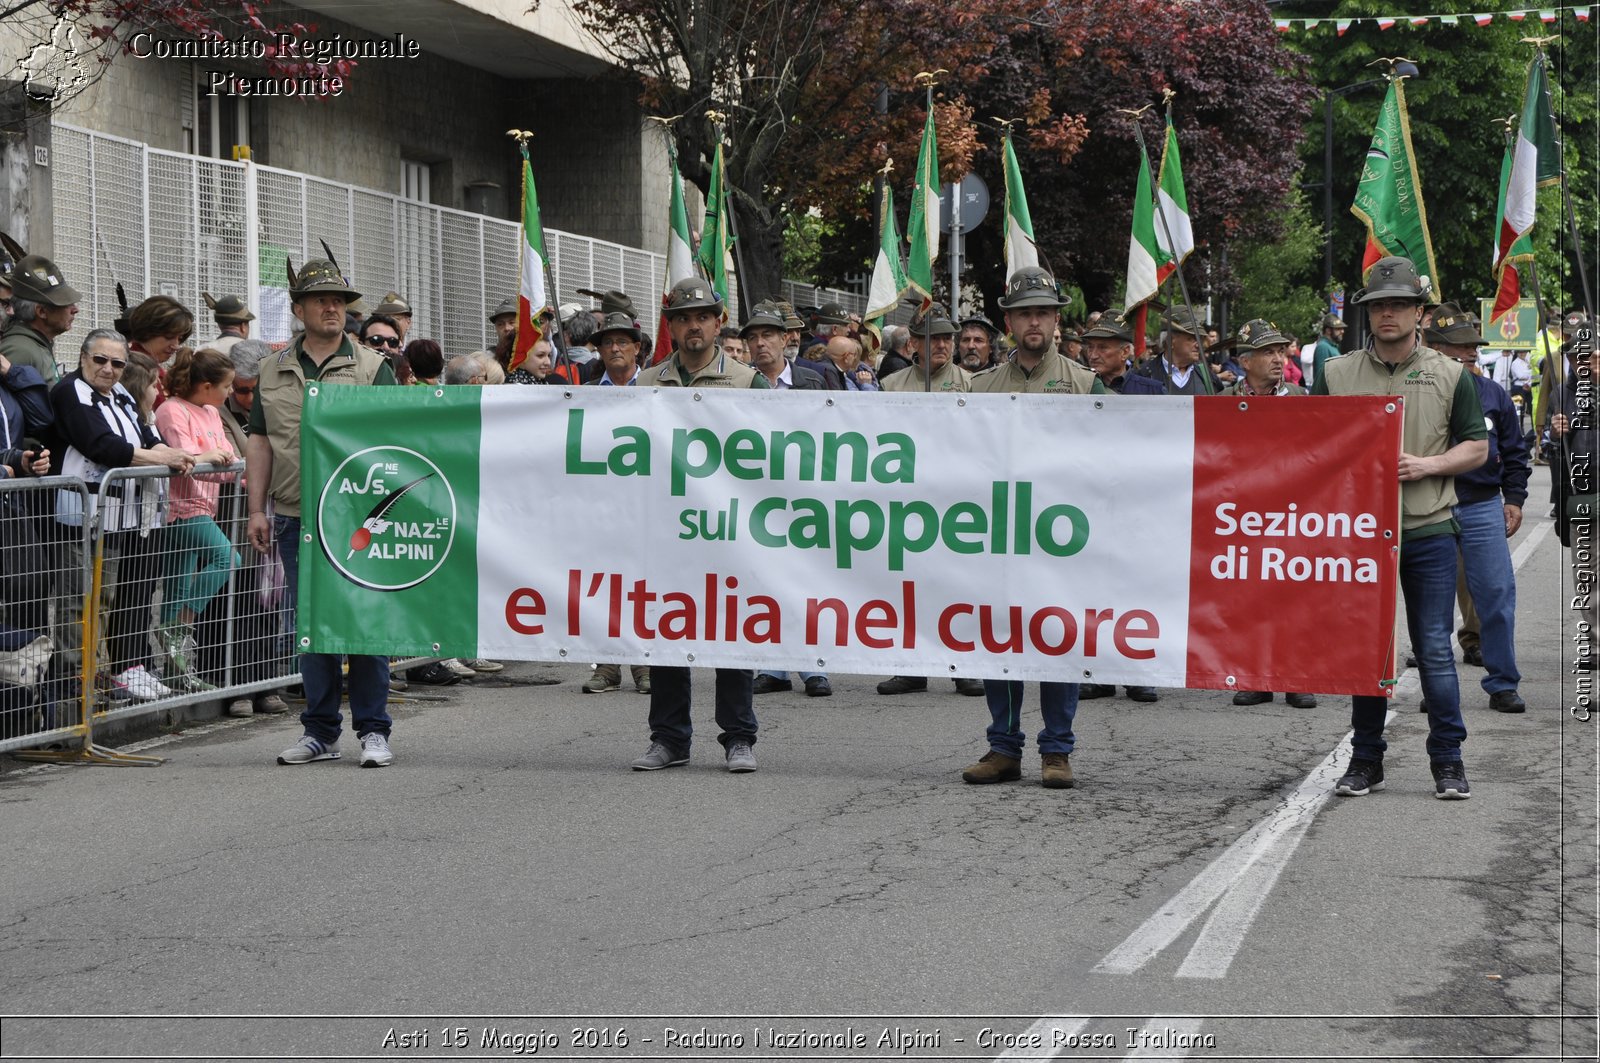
(1489, 509)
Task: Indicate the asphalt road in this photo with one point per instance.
(1197, 895)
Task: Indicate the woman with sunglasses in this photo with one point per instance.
(102, 428)
(382, 333)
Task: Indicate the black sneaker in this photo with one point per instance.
(1473, 656)
(1450, 781)
(819, 687)
(433, 675)
(1252, 697)
(770, 684)
(1362, 777)
(903, 684)
(1141, 694)
(1091, 691)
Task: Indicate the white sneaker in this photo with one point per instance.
(241, 707)
(478, 664)
(308, 749)
(142, 685)
(375, 751)
(457, 669)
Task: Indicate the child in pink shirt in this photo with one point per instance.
(198, 555)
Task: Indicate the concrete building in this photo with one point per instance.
(430, 127)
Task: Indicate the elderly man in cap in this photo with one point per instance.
(975, 344)
(504, 318)
(694, 315)
(321, 353)
(1108, 349)
(396, 307)
(232, 317)
(1442, 436)
(1179, 369)
(1328, 344)
(932, 344)
(1488, 508)
(43, 307)
(618, 341)
(1263, 352)
(934, 372)
(763, 337)
(1032, 304)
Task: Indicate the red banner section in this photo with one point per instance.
(1294, 566)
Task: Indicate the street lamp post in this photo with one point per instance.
(1404, 68)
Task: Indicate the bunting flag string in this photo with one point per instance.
(1341, 26)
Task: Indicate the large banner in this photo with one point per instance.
(1221, 542)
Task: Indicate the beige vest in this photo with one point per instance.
(1426, 380)
(1055, 375)
(720, 372)
(951, 378)
(282, 387)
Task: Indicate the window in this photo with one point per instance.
(416, 180)
(220, 122)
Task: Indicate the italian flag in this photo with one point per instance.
(1143, 253)
(680, 252)
(1021, 251)
(532, 298)
(889, 282)
(1176, 235)
(923, 227)
(714, 233)
(1532, 159)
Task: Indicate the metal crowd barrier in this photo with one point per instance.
(144, 607)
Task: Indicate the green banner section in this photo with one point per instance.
(389, 521)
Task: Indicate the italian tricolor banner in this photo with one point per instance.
(1021, 250)
(680, 252)
(1533, 159)
(859, 537)
(888, 285)
(922, 228)
(532, 299)
(1174, 233)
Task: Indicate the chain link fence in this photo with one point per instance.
(161, 222)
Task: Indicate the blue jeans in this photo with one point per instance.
(1058, 704)
(1428, 583)
(320, 672)
(669, 706)
(1486, 559)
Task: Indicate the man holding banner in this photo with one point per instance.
(694, 315)
(1032, 306)
(1443, 434)
(272, 458)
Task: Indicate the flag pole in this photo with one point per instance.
(1177, 267)
(1566, 191)
(728, 218)
(930, 79)
(558, 338)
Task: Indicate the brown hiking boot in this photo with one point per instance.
(1056, 773)
(993, 767)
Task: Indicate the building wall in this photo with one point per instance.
(597, 174)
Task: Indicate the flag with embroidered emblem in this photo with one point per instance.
(1389, 195)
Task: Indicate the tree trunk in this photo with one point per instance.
(758, 256)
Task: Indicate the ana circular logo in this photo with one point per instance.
(386, 518)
